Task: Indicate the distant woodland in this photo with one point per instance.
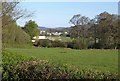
(99, 33)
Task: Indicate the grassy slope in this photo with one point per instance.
(104, 60)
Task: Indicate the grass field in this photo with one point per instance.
(103, 60)
(64, 39)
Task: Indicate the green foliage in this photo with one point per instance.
(12, 34)
(76, 44)
(22, 37)
(9, 62)
(103, 30)
(17, 67)
(44, 43)
(40, 69)
(49, 43)
(58, 44)
(31, 28)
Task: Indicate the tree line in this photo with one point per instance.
(99, 32)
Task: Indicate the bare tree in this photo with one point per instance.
(93, 28)
(11, 9)
(80, 23)
(75, 30)
(75, 20)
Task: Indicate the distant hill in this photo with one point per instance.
(43, 28)
(59, 28)
(54, 29)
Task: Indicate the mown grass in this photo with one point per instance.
(103, 60)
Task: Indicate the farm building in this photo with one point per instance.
(39, 37)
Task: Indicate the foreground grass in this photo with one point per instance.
(103, 60)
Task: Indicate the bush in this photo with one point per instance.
(49, 43)
(44, 43)
(70, 45)
(17, 67)
(58, 44)
(9, 63)
(76, 44)
(40, 69)
(95, 45)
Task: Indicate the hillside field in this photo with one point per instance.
(103, 60)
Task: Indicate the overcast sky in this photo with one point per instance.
(58, 14)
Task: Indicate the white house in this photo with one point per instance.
(66, 32)
(33, 41)
(57, 33)
(39, 37)
(41, 32)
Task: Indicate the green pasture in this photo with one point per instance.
(103, 60)
(64, 39)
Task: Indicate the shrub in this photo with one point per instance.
(40, 69)
(70, 45)
(58, 44)
(9, 63)
(44, 43)
(49, 43)
(76, 44)
(95, 45)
